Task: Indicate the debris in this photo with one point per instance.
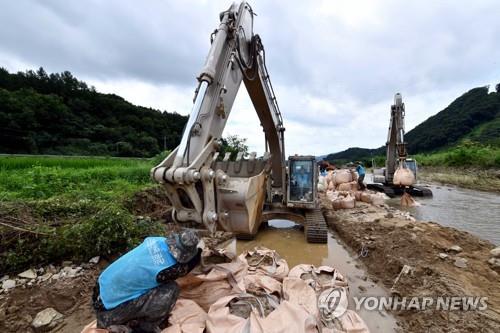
(67, 263)
(404, 271)
(8, 284)
(494, 262)
(455, 248)
(28, 274)
(94, 260)
(461, 262)
(5, 277)
(45, 277)
(495, 252)
(443, 255)
(70, 272)
(47, 318)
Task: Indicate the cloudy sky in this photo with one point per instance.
(335, 65)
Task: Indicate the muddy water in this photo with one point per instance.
(290, 243)
(474, 211)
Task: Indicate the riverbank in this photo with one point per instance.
(473, 178)
(433, 254)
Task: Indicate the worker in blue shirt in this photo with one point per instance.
(137, 292)
(361, 175)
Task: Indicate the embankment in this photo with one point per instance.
(471, 178)
(392, 240)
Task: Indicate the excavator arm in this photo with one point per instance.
(396, 146)
(201, 188)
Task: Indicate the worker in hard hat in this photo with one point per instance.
(137, 292)
(361, 175)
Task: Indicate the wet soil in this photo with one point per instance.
(389, 241)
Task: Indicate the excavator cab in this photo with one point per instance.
(302, 180)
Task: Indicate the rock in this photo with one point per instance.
(70, 272)
(67, 263)
(47, 318)
(45, 277)
(55, 276)
(461, 262)
(94, 260)
(389, 215)
(28, 274)
(443, 255)
(5, 277)
(51, 268)
(495, 252)
(494, 262)
(8, 284)
(455, 248)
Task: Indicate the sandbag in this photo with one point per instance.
(319, 278)
(260, 283)
(357, 195)
(186, 317)
(322, 183)
(342, 176)
(298, 291)
(366, 197)
(341, 202)
(265, 261)
(354, 175)
(220, 280)
(287, 317)
(344, 187)
(378, 199)
(349, 322)
(403, 177)
(408, 201)
(331, 195)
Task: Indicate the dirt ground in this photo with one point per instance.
(71, 297)
(392, 241)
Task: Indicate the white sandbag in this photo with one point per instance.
(344, 187)
(348, 202)
(403, 177)
(265, 261)
(366, 197)
(331, 195)
(287, 317)
(221, 280)
(408, 201)
(354, 175)
(330, 181)
(349, 322)
(298, 291)
(342, 176)
(319, 278)
(322, 184)
(186, 317)
(378, 199)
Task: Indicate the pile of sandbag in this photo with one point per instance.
(403, 176)
(256, 292)
(339, 180)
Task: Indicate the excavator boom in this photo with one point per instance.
(202, 188)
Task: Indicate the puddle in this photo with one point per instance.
(290, 243)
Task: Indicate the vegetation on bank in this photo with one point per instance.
(54, 208)
(57, 114)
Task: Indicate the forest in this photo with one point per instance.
(57, 114)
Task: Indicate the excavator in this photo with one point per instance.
(396, 155)
(237, 196)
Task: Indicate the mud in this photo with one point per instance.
(389, 242)
(152, 203)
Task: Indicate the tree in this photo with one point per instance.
(233, 144)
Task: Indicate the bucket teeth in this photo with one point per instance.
(316, 230)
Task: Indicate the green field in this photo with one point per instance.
(55, 208)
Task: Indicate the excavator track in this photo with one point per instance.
(315, 229)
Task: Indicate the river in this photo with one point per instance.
(477, 212)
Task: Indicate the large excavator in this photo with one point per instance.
(237, 196)
(397, 155)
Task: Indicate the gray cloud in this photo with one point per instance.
(335, 64)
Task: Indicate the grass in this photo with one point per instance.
(468, 154)
(477, 179)
(57, 208)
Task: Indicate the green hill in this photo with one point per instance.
(474, 116)
(58, 114)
